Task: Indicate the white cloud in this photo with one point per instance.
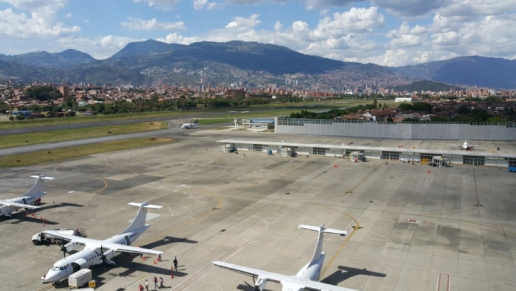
(203, 4)
(352, 21)
(278, 26)
(411, 8)
(406, 36)
(313, 4)
(232, 24)
(152, 24)
(242, 23)
(68, 15)
(176, 38)
(37, 5)
(40, 22)
(165, 5)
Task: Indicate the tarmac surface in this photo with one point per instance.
(427, 228)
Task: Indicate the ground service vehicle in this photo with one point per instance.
(44, 238)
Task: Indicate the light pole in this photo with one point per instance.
(9, 106)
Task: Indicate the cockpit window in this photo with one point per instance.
(58, 268)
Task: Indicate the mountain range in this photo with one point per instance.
(154, 62)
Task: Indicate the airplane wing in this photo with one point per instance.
(279, 278)
(130, 249)
(18, 205)
(106, 245)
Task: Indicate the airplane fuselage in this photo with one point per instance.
(7, 210)
(312, 271)
(89, 256)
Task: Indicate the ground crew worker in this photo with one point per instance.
(155, 283)
(175, 263)
(161, 282)
(146, 285)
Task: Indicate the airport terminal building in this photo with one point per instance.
(494, 145)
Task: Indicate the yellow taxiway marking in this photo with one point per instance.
(98, 191)
(358, 184)
(124, 169)
(357, 226)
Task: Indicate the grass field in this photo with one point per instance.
(59, 154)
(83, 119)
(14, 140)
(207, 121)
(276, 109)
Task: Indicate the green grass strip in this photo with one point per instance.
(34, 158)
(15, 140)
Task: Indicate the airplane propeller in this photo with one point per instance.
(63, 249)
(253, 287)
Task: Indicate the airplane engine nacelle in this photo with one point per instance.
(71, 246)
(109, 254)
(260, 284)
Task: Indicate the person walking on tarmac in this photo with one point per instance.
(161, 283)
(140, 287)
(175, 263)
(146, 285)
(155, 283)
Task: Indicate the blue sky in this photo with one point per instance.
(386, 32)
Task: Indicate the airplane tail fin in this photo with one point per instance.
(139, 220)
(321, 229)
(38, 189)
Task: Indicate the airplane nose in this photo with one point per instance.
(49, 277)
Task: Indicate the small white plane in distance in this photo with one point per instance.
(306, 279)
(465, 146)
(32, 197)
(189, 125)
(97, 252)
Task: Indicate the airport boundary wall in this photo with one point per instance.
(407, 131)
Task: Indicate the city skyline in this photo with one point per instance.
(384, 32)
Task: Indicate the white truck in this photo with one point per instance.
(45, 238)
(79, 278)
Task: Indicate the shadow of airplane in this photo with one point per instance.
(339, 276)
(248, 287)
(131, 267)
(44, 206)
(21, 217)
(168, 240)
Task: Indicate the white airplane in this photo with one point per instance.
(465, 146)
(306, 279)
(97, 252)
(32, 197)
(190, 125)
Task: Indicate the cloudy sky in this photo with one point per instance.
(385, 32)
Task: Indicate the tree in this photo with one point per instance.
(405, 107)
(463, 110)
(11, 118)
